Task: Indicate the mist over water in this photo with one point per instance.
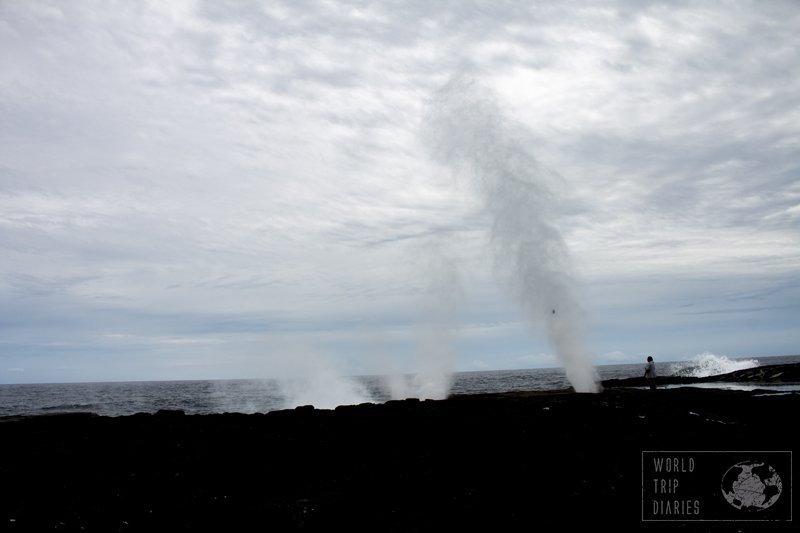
(312, 377)
(468, 132)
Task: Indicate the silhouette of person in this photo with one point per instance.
(650, 372)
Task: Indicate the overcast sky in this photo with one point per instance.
(195, 190)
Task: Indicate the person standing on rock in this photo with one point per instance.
(650, 372)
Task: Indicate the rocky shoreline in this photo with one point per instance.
(478, 462)
(768, 374)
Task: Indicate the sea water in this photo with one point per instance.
(254, 396)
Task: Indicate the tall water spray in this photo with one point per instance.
(436, 359)
(468, 132)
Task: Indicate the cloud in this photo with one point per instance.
(202, 170)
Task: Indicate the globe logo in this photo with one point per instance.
(751, 486)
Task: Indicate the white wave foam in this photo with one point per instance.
(709, 364)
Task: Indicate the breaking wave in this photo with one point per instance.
(707, 364)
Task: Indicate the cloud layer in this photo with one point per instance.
(195, 189)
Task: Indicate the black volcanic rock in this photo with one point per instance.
(544, 461)
(762, 374)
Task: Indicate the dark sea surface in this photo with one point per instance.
(257, 395)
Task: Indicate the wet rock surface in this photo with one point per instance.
(482, 462)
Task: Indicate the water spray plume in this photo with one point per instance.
(437, 357)
(708, 364)
(468, 132)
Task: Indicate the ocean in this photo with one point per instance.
(263, 395)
